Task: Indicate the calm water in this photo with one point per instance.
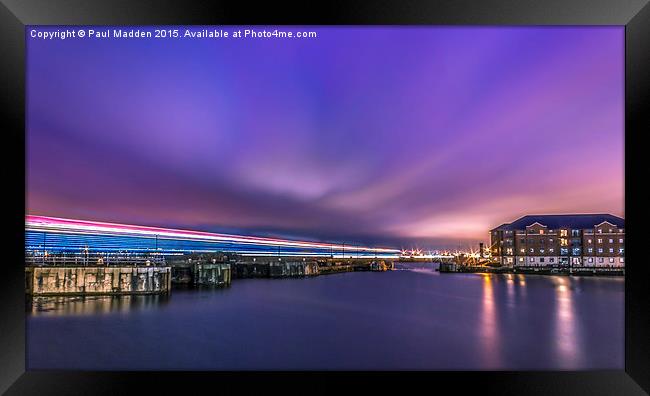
(410, 318)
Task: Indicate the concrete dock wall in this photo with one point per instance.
(214, 269)
(251, 270)
(336, 266)
(212, 274)
(283, 269)
(275, 269)
(97, 280)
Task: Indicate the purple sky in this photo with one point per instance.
(402, 137)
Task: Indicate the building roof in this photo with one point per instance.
(577, 221)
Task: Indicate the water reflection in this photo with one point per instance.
(501, 294)
(401, 320)
(489, 322)
(92, 305)
(566, 323)
(510, 291)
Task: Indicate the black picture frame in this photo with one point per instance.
(16, 14)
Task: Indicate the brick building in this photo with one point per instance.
(578, 240)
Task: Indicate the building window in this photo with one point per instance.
(621, 250)
(564, 251)
(522, 250)
(563, 242)
(600, 240)
(610, 230)
(590, 250)
(521, 259)
(541, 260)
(622, 260)
(600, 259)
(575, 232)
(611, 250)
(576, 251)
(591, 259)
(589, 241)
(611, 259)
(541, 251)
(563, 233)
(550, 240)
(532, 250)
(551, 250)
(509, 259)
(620, 240)
(552, 260)
(611, 240)
(600, 231)
(600, 250)
(508, 251)
(532, 259)
(541, 232)
(620, 230)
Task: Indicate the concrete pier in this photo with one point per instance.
(333, 266)
(218, 274)
(283, 269)
(447, 267)
(243, 270)
(274, 268)
(214, 269)
(270, 267)
(196, 269)
(96, 280)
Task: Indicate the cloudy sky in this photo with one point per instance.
(399, 137)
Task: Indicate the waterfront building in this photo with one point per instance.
(573, 240)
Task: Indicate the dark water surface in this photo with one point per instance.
(410, 318)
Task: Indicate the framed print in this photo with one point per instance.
(379, 192)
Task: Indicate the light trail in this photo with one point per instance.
(68, 234)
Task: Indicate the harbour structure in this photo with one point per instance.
(79, 257)
(95, 280)
(80, 238)
(568, 240)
